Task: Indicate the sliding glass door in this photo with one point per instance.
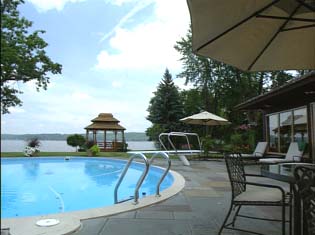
(285, 127)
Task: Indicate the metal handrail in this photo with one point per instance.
(183, 134)
(160, 139)
(177, 134)
(140, 181)
(166, 157)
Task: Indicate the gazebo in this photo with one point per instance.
(105, 122)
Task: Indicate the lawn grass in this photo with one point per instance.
(103, 154)
(64, 154)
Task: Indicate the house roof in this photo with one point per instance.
(297, 92)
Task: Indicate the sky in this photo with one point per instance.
(113, 53)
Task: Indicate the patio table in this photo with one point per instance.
(285, 172)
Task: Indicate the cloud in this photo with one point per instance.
(45, 5)
(119, 2)
(16, 110)
(80, 96)
(116, 84)
(148, 45)
(138, 7)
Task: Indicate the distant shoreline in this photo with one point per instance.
(129, 136)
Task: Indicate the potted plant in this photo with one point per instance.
(91, 148)
(32, 147)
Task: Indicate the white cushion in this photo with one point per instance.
(260, 194)
(293, 151)
(293, 154)
(259, 150)
(273, 160)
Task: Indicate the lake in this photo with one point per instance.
(61, 146)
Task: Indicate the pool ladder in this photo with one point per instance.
(144, 174)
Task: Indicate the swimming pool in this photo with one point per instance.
(40, 186)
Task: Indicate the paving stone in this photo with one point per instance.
(92, 226)
(154, 215)
(126, 215)
(217, 184)
(169, 208)
(145, 227)
(202, 192)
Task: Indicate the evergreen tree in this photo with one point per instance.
(165, 108)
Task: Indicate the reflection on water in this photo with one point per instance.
(101, 173)
(31, 169)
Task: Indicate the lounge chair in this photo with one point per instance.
(293, 154)
(258, 152)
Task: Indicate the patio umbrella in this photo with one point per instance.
(255, 35)
(205, 118)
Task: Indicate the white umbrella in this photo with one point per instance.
(255, 35)
(205, 118)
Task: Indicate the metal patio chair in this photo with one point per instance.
(244, 195)
(305, 191)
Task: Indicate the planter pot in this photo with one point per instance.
(89, 153)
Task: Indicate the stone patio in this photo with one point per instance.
(198, 209)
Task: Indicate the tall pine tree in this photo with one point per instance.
(165, 108)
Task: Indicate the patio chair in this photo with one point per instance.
(305, 190)
(258, 152)
(245, 193)
(293, 154)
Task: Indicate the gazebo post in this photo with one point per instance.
(104, 140)
(87, 135)
(94, 136)
(123, 139)
(115, 142)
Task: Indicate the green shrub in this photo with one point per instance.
(76, 141)
(94, 150)
(243, 140)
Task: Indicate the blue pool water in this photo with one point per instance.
(39, 186)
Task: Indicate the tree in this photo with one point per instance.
(75, 141)
(165, 108)
(23, 56)
(222, 87)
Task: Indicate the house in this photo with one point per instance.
(288, 115)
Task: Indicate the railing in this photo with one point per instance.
(110, 145)
(144, 174)
(182, 134)
(181, 153)
(140, 181)
(166, 157)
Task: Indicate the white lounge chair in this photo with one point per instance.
(293, 154)
(258, 152)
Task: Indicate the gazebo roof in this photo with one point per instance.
(105, 117)
(105, 121)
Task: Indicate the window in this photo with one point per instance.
(300, 128)
(286, 121)
(285, 127)
(273, 133)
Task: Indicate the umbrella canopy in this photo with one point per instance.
(255, 35)
(205, 118)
